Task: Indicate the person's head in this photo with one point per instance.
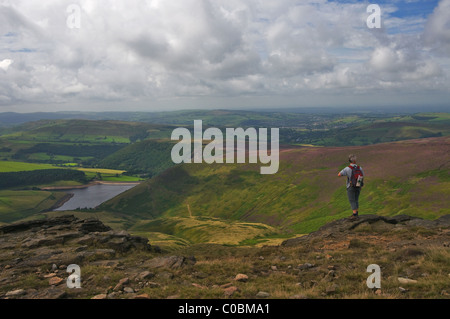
(352, 158)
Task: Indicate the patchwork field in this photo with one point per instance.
(11, 166)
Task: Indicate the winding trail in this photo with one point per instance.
(189, 209)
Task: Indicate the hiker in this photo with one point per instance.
(355, 182)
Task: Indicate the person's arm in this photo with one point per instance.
(363, 175)
(342, 173)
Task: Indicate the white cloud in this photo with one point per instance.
(148, 52)
(437, 32)
(4, 65)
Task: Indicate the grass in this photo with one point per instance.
(301, 197)
(12, 166)
(274, 270)
(203, 230)
(339, 268)
(305, 193)
(17, 205)
(61, 184)
(121, 178)
(162, 240)
(101, 171)
(109, 175)
(116, 222)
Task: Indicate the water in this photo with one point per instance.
(93, 196)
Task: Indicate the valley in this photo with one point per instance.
(181, 205)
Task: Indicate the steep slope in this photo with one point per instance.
(146, 157)
(408, 177)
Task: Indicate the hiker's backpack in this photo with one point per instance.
(357, 175)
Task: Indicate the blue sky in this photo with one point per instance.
(411, 8)
(405, 8)
(161, 55)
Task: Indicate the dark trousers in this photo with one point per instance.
(353, 196)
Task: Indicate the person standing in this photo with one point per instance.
(355, 181)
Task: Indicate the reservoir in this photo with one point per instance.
(93, 196)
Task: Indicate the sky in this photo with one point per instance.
(153, 55)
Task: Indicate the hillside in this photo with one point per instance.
(84, 142)
(147, 157)
(85, 131)
(331, 263)
(408, 177)
(366, 129)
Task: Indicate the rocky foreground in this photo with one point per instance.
(413, 255)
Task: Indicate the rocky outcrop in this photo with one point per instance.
(39, 251)
(172, 262)
(64, 239)
(62, 221)
(342, 227)
(34, 259)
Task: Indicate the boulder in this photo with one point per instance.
(262, 294)
(128, 290)
(228, 292)
(172, 262)
(93, 225)
(305, 266)
(121, 283)
(16, 293)
(241, 278)
(406, 280)
(146, 275)
(55, 281)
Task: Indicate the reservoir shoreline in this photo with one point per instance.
(62, 188)
(88, 196)
(60, 203)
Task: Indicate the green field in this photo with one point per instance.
(10, 166)
(101, 171)
(121, 178)
(109, 175)
(83, 131)
(17, 205)
(106, 174)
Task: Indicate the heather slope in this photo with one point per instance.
(408, 177)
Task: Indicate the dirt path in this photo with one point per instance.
(189, 209)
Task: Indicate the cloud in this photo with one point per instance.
(437, 30)
(149, 53)
(394, 64)
(4, 65)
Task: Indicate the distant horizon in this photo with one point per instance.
(158, 56)
(293, 109)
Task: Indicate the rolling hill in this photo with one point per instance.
(408, 177)
(147, 157)
(84, 142)
(86, 131)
